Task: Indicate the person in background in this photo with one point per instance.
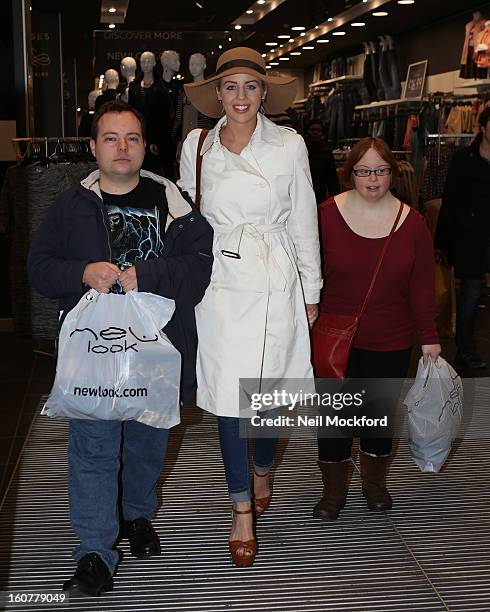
(353, 228)
(322, 163)
(463, 234)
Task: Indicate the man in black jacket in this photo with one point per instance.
(122, 229)
(463, 232)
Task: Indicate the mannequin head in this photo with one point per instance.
(197, 66)
(92, 96)
(170, 62)
(111, 78)
(128, 68)
(147, 61)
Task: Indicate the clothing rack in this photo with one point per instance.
(18, 143)
(440, 137)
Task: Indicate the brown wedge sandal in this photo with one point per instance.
(261, 504)
(242, 552)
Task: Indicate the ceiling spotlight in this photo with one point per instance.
(284, 59)
(249, 12)
(260, 1)
(317, 27)
(220, 46)
(283, 36)
(264, 54)
(291, 40)
(281, 46)
(308, 48)
(112, 10)
(406, 1)
(298, 28)
(323, 40)
(274, 63)
(330, 19)
(238, 27)
(303, 34)
(338, 33)
(358, 24)
(271, 44)
(380, 14)
(295, 53)
(79, 110)
(199, 5)
(112, 26)
(268, 67)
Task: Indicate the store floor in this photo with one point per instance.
(429, 553)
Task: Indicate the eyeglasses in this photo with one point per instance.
(365, 172)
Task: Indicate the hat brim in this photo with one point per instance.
(281, 92)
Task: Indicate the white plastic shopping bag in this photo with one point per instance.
(435, 410)
(114, 362)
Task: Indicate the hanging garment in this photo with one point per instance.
(27, 193)
(482, 48)
(469, 69)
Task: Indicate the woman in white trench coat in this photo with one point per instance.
(257, 195)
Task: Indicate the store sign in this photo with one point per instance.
(414, 84)
(47, 74)
(112, 45)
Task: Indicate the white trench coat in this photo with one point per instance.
(252, 320)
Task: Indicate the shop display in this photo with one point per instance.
(148, 94)
(29, 189)
(111, 79)
(86, 119)
(170, 61)
(469, 67)
(191, 117)
(128, 71)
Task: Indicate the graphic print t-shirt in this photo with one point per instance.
(136, 227)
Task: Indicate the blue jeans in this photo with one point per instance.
(96, 457)
(469, 296)
(234, 450)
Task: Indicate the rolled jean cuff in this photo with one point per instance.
(262, 469)
(241, 496)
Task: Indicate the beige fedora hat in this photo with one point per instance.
(242, 60)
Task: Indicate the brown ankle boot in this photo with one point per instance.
(335, 477)
(373, 474)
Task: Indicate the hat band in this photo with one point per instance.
(240, 64)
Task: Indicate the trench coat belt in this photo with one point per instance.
(232, 243)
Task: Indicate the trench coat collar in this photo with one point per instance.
(265, 132)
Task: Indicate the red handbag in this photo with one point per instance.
(333, 334)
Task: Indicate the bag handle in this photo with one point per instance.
(200, 143)
(380, 261)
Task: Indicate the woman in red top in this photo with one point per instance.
(354, 226)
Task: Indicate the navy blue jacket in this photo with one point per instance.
(75, 232)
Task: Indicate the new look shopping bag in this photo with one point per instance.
(435, 410)
(114, 362)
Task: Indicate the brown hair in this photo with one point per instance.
(116, 106)
(360, 149)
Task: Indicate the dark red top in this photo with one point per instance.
(402, 304)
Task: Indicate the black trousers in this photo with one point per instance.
(369, 365)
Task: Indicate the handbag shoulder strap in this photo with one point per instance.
(200, 143)
(380, 261)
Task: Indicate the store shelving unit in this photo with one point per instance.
(348, 78)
